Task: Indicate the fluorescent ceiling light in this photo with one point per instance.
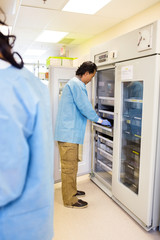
(85, 6)
(34, 52)
(51, 36)
(5, 29)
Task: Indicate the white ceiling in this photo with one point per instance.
(29, 17)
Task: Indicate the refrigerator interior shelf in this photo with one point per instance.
(106, 98)
(133, 100)
(107, 112)
(108, 101)
(138, 136)
(109, 142)
(105, 167)
(138, 118)
(129, 166)
(105, 154)
(135, 135)
(133, 163)
(105, 130)
(127, 116)
(101, 127)
(131, 180)
(132, 147)
(135, 152)
(106, 177)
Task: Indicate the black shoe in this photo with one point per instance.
(80, 204)
(80, 193)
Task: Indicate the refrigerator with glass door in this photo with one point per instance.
(136, 170)
(131, 174)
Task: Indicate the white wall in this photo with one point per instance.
(150, 15)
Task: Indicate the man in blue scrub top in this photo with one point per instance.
(26, 151)
(74, 110)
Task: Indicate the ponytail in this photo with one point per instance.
(6, 45)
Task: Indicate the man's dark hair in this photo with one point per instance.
(6, 45)
(86, 67)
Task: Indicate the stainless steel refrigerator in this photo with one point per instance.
(126, 157)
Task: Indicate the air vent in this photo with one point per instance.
(66, 40)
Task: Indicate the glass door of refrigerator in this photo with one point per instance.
(131, 123)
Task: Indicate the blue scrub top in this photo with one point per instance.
(26, 157)
(73, 112)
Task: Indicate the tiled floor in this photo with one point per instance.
(103, 219)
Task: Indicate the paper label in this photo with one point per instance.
(127, 72)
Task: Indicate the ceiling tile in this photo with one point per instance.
(34, 17)
(50, 4)
(65, 21)
(28, 33)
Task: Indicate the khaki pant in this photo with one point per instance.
(69, 168)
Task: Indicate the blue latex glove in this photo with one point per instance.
(105, 122)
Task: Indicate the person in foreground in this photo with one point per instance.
(73, 112)
(26, 150)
